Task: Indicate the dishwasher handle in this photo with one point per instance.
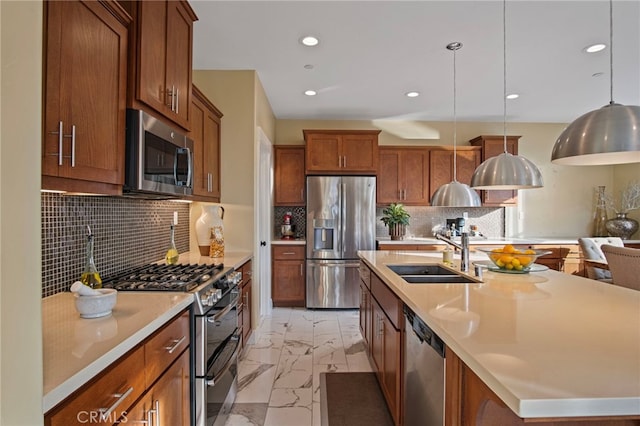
(423, 332)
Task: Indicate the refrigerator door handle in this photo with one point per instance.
(343, 213)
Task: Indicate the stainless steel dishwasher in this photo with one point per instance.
(423, 374)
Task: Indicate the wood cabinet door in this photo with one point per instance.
(414, 170)
(246, 311)
(289, 178)
(377, 337)
(179, 60)
(85, 93)
(152, 54)
(167, 402)
(323, 153)
(391, 367)
(493, 146)
(200, 172)
(288, 283)
(388, 184)
(365, 314)
(359, 153)
(205, 132)
(441, 170)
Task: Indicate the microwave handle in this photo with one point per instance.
(189, 166)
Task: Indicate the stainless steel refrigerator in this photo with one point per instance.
(341, 216)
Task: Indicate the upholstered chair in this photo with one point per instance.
(624, 264)
(591, 250)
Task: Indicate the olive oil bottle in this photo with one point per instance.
(90, 277)
(172, 254)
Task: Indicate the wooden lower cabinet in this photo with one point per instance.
(151, 382)
(470, 402)
(288, 276)
(385, 344)
(244, 309)
(167, 402)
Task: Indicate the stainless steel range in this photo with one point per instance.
(215, 337)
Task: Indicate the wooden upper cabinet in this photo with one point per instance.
(161, 54)
(403, 176)
(442, 165)
(341, 151)
(85, 72)
(205, 132)
(493, 146)
(289, 175)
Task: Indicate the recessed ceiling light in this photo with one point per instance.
(310, 92)
(308, 67)
(309, 41)
(597, 74)
(513, 96)
(595, 48)
(412, 94)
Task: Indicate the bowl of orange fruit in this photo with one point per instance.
(512, 259)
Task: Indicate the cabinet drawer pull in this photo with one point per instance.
(177, 103)
(73, 145)
(288, 253)
(176, 343)
(106, 412)
(156, 409)
(344, 161)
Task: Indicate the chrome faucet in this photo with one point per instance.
(463, 247)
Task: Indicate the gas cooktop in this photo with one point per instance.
(158, 277)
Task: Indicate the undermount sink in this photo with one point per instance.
(429, 273)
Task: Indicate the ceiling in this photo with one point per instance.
(372, 52)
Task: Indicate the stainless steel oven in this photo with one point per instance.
(215, 336)
(216, 343)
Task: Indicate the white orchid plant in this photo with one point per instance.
(629, 199)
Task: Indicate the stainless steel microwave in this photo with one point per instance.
(159, 159)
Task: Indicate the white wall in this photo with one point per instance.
(20, 259)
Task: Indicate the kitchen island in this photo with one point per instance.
(549, 345)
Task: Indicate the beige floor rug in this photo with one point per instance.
(352, 399)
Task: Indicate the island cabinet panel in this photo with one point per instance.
(493, 146)
(85, 83)
(155, 373)
(470, 402)
(289, 177)
(288, 275)
(403, 176)
(386, 343)
(161, 43)
(441, 166)
(205, 132)
(341, 151)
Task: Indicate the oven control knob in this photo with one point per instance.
(218, 294)
(204, 300)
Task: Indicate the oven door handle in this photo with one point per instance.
(212, 381)
(213, 318)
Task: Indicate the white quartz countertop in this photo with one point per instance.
(296, 242)
(77, 349)
(549, 344)
(490, 240)
(234, 259)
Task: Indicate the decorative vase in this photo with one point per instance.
(600, 217)
(622, 226)
(209, 228)
(397, 231)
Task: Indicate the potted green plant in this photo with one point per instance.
(396, 218)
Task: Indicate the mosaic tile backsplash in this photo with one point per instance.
(127, 233)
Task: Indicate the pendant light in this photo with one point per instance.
(609, 135)
(455, 194)
(506, 171)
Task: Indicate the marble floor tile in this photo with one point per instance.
(294, 372)
(247, 415)
(279, 370)
(290, 416)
